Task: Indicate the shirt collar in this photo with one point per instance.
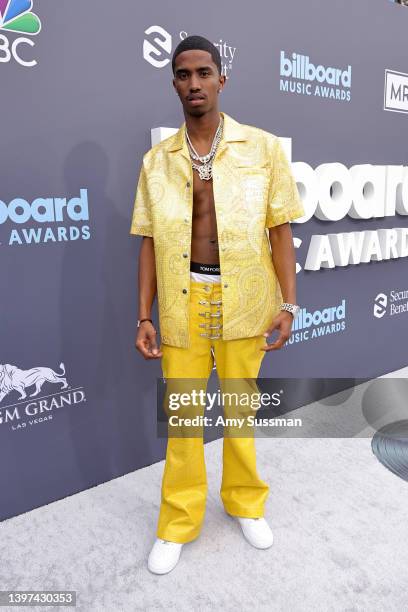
(233, 131)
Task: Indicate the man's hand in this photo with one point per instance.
(283, 323)
(146, 341)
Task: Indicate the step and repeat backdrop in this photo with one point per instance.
(83, 84)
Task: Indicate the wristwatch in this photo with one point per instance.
(294, 309)
(139, 321)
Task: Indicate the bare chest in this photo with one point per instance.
(203, 195)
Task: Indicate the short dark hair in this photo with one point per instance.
(197, 42)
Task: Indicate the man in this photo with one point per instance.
(213, 205)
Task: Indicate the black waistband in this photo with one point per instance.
(204, 268)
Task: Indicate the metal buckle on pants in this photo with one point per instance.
(209, 337)
(216, 302)
(215, 314)
(210, 326)
(205, 314)
(203, 302)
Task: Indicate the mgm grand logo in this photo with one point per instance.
(25, 412)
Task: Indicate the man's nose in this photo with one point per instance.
(195, 83)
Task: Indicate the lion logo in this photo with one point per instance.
(14, 379)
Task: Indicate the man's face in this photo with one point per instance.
(197, 81)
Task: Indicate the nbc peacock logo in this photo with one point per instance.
(16, 17)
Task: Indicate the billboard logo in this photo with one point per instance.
(16, 18)
(396, 91)
(298, 73)
(317, 323)
(45, 211)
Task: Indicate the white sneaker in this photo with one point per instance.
(164, 556)
(256, 531)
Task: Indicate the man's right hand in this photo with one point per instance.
(146, 341)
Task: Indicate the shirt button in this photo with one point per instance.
(188, 184)
(185, 220)
(185, 254)
(226, 285)
(184, 290)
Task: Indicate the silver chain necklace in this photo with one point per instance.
(205, 170)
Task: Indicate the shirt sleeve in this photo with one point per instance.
(284, 202)
(141, 218)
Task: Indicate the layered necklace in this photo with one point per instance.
(205, 169)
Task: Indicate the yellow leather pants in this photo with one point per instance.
(184, 483)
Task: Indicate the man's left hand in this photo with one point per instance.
(283, 323)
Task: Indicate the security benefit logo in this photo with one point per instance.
(396, 91)
(158, 46)
(299, 75)
(391, 304)
(313, 324)
(16, 18)
(16, 385)
(44, 220)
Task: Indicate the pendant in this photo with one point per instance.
(205, 172)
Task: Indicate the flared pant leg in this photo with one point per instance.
(184, 482)
(243, 492)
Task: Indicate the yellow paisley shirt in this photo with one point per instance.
(254, 189)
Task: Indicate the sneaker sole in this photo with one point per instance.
(162, 571)
(247, 539)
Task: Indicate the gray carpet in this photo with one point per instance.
(339, 519)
